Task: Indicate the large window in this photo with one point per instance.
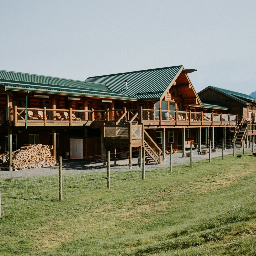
(158, 137)
(33, 139)
(170, 136)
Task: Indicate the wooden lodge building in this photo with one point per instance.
(121, 112)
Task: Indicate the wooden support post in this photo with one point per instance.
(10, 148)
(234, 144)
(183, 141)
(130, 158)
(225, 137)
(140, 157)
(160, 113)
(70, 116)
(212, 137)
(208, 135)
(253, 143)
(54, 142)
(210, 145)
(171, 158)
(54, 106)
(200, 139)
(60, 179)
(246, 141)
(249, 141)
(164, 145)
(222, 149)
(45, 116)
(93, 115)
(115, 156)
(191, 155)
(143, 163)
(15, 116)
(102, 151)
(243, 145)
(108, 170)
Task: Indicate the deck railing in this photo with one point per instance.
(39, 116)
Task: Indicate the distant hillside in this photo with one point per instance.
(253, 94)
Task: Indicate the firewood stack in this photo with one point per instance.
(31, 156)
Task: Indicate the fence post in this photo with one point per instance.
(108, 170)
(171, 158)
(234, 147)
(210, 145)
(60, 179)
(191, 159)
(143, 163)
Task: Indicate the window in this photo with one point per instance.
(159, 137)
(33, 139)
(57, 140)
(14, 143)
(170, 136)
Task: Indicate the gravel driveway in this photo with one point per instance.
(85, 166)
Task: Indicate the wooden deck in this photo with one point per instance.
(148, 117)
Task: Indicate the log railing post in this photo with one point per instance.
(92, 114)
(15, 116)
(70, 117)
(45, 116)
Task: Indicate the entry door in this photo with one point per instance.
(76, 148)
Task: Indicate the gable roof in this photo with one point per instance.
(241, 97)
(46, 84)
(143, 84)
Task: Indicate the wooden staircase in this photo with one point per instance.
(152, 151)
(240, 132)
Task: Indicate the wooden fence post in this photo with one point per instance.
(60, 179)
(143, 163)
(210, 145)
(108, 170)
(171, 158)
(191, 158)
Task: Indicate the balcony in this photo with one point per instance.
(187, 118)
(148, 117)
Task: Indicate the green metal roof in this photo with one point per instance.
(143, 84)
(27, 82)
(243, 98)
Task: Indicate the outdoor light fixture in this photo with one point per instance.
(41, 96)
(108, 101)
(73, 98)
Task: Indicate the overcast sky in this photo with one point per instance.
(80, 38)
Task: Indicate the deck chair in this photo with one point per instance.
(75, 118)
(31, 115)
(59, 117)
(65, 114)
(40, 115)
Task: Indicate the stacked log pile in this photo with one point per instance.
(31, 156)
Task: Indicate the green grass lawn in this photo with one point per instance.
(209, 209)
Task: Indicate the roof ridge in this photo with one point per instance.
(136, 71)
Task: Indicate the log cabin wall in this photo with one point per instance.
(213, 97)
